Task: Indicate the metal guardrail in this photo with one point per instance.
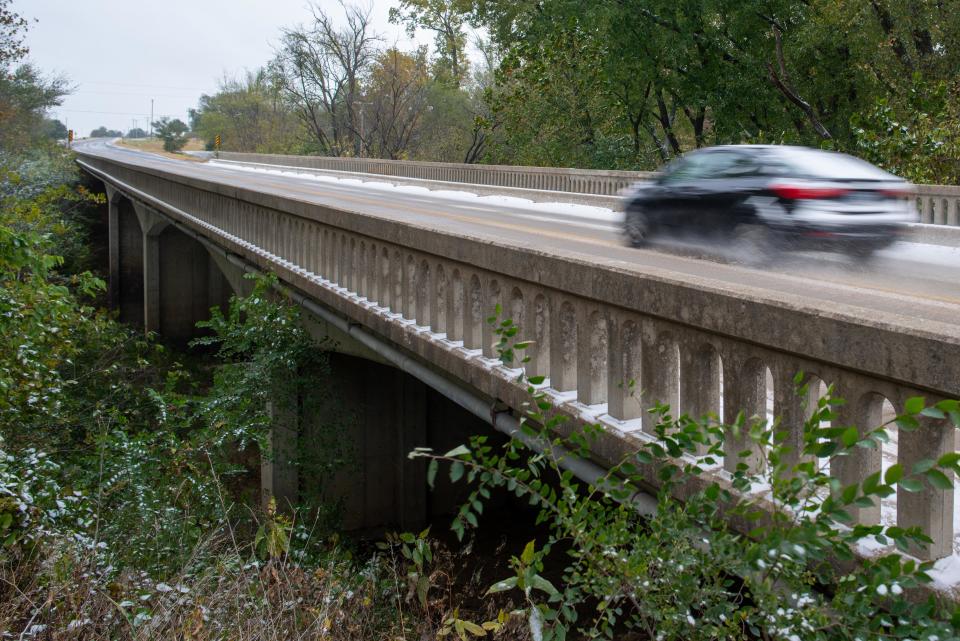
(937, 204)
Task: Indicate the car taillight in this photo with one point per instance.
(806, 192)
(902, 192)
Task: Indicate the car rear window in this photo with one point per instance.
(829, 165)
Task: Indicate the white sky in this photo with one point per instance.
(121, 53)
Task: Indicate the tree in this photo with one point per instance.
(103, 132)
(397, 95)
(25, 96)
(13, 33)
(137, 132)
(172, 133)
(322, 68)
(252, 113)
(54, 129)
(446, 18)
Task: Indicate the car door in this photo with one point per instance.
(677, 192)
(728, 179)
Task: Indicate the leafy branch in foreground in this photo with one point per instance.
(684, 572)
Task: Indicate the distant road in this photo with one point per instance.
(908, 283)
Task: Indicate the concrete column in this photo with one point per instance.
(113, 246)
(862, 410)
(151, 225)
(537, 315)
(563, 346)
(412, 473)
(699, 381)
(744, 390)
(457, 304)
(279, 466)
(659, 382)
(793, 410)
(624, 378)
(930, 509)
(491, 299)
(592, 346)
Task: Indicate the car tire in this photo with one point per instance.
(754, 242)
(637, 228)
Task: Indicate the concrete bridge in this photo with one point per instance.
(407, 294)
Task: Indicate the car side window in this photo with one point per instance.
(700, 166)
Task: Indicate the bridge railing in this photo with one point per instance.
(936, 204)
(611, 341)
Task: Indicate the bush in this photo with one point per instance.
(173, 133)
(683, 573)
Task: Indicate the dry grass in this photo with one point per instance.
(155, 145)
(225, 593)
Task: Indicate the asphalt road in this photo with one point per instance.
(917, 285)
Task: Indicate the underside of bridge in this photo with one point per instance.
(161, 279)
(344, 441)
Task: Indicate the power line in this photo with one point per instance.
(109, 113)
(134, 84)
(123, 93)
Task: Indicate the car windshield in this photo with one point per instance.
(828, 165)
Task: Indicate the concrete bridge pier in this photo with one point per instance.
(161, 279)
(345, 441)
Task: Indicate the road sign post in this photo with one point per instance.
(69, 137)
(216, 145)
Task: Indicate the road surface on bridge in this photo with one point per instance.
(917, 285)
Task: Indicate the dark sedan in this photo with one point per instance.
(772, 197)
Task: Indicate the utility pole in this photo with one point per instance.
(151, 117)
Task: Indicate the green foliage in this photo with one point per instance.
(173, 133)
(103, 132)
(683, 572)
(918, 139)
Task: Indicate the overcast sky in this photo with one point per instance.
(121, 53)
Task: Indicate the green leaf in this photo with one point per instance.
(456, 471)
(894, 474)
(539, 583)
(921, 466)
(460, 450)
(527, 556)
(932, 412)
(914, 405)
(911, 485)
(850, 436)
(939, 480)
(432, 472)
(503, 586)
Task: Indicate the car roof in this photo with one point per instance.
(847, 166)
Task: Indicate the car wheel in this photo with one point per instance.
(637, 228)
(863, 255)
(754, 243)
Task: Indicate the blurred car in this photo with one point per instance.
(772, 197)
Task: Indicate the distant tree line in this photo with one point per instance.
(609, 84)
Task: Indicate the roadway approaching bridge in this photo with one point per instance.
(407, 280)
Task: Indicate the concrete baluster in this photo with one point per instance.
(864, 410)
(592, 332)
(563, 346)
(699, 380)
(660, 373)
(792, 408)
(438, 291)
(744, 390)
(537, 315)
(455, 303)
(396, 279)
(624, 377)
(931, 509)
(489, 337)
(473, 314)
(422, 295)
